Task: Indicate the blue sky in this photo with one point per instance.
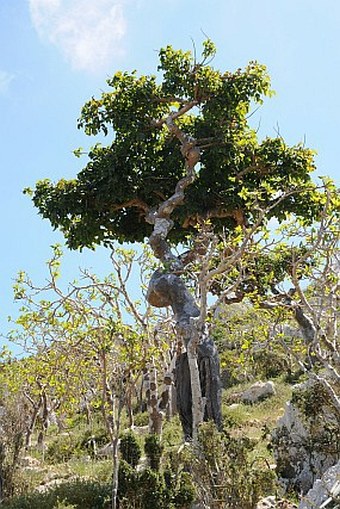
(56, 54)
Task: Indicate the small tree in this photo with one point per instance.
(88, 337)
(311, 292)
(12, 424)
(182, 152)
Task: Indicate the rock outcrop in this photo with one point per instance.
(306, 440)
(272, 502)
(325, 491)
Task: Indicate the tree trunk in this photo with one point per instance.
(209, 374)
(115, 458)
(197, 377)
(115, 430)
(155, 414)
(166, 288)
(198, 406)
(31, 427)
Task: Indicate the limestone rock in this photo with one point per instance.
(105, 451)
(234, 398)
(272, 502)
(325, 490)
(305, 441)
(258, 392)
(267, 503)
(29, 463)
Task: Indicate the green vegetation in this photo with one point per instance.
(142, 164)
(75, 494)
(173, 474)
(184, 168)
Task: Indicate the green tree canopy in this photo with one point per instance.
(140, 167)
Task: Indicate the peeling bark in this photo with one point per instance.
(306, 325)
(197, 371)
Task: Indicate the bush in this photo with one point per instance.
(99, 437)
(62, 449)
(152, 490)
(130, 449)
(153, 487)
(172, 432)
(223, 473)
(75, 444)
(76, 494)
(153, 450)
(63, 505)
(180, 491)
(141, 419)
(270, 363)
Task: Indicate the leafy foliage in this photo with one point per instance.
(76, 337)
(79, 494)
(153, 450)
(142, 164)
(154, 487)
(130, 449)
(247, 352)
(62, 448)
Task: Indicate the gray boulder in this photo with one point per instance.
(258, 392)
(325, 492)
(306, 439)
(272, 502)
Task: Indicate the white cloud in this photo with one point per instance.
(5, 81)
(88, 32)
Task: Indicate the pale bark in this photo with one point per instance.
(166, 288)
(33, 419)
(195, 383)
(116, 412)
(155, 414)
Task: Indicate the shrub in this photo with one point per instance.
(142, 419)
(172, 432)
(76, 494)
(63, 505)
(99, 437)
(130, 448)
(62, 449)
(222, 472)
(153, 450)
(153, 488)
(270, 363)
(180, 491)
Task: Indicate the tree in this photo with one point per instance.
(311, 294)
(91, 337)
(181, 154)
(13, 423)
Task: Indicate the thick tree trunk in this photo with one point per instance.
(209, 374)
(197, 377)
